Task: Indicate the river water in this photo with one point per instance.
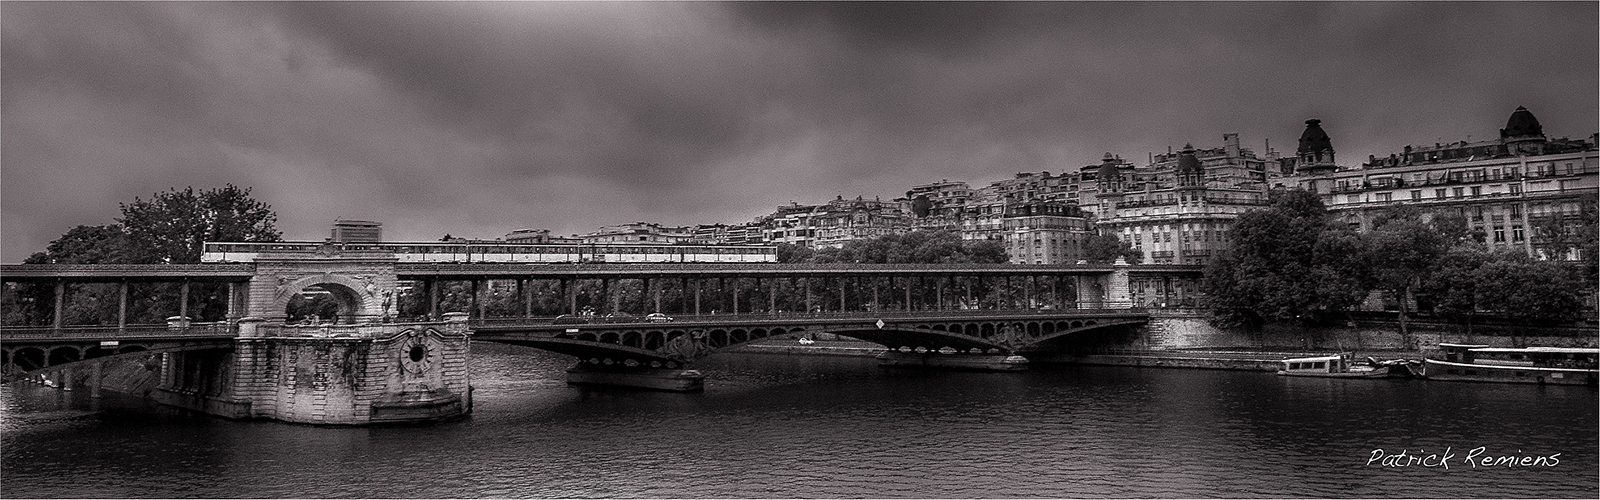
(797, 426)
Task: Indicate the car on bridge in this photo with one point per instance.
(656, 317)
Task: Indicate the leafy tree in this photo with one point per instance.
(916, 247)
(1105, 248)
(107, 244)
(1401, 249)
(172, 227)
(789, 253)
(1528, 290)
(168, 228)
(1288, 262)
(1451, 283)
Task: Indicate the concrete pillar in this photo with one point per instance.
(477, 306)
(1116, 286)
(841, 295)
(874, 294)
(433, 298)
(907, 305)
(61, 290)
(806, 282)
(1033, 282)
(570, 295)
(183, 299)
(968, 285)
(122, 306)
(938, 295)
(736, 296)
(697, 297)
(526, 292)
(772, 297)
(644, 296)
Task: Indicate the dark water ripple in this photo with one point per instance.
(775, 427)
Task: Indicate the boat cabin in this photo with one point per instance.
(1319, 364)
(1541, 357)
(1459, 353)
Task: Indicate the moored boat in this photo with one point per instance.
(1332, 366)
(1525, 365)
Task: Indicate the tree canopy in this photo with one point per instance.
(172, 227)
(1288, 262)
(1105, 248)
(916, 247)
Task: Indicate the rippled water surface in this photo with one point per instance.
(773, 426)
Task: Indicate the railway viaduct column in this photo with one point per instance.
(1116, 286)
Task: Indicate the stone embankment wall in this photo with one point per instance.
(1169, 330)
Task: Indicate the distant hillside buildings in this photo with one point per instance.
(1522, 190)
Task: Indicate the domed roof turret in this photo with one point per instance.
(1188, 163)
(1314, 139)
(1190, 173)
(1108, 170)
(1522, 124)
(1109, 177)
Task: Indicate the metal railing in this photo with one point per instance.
(801, 316)
(16, 333)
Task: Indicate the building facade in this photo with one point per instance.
(1522, 191)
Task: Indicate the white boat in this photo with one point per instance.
(1525, 365)
(1332, 366)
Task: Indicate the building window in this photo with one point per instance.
(1439, 193)
(1499, 234)
(1416, 194)
(1460, 191)
(1382, 197)
(1477, 190)
(1515, 188)
(1516, 233)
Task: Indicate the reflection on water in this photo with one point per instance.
(772, 426)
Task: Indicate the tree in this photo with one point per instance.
(916, 247)
(1401, 249)
(107, 244)
(1288, 262)
(1527, 290)
(172, 227)
(789, 253)
(1105, 248)
(1451, 283)
(168, 228)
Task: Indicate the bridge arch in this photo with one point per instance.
(356, 302)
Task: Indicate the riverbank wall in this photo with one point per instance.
(1189, 330)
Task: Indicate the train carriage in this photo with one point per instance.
(498, 251)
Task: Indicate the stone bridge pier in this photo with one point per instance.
(327, 374)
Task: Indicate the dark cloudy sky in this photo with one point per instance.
(476, 119)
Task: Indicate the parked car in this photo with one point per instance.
(620, 317)
(656, 317)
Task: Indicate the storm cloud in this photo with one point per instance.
(476, 119)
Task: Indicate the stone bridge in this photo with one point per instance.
(392, 354)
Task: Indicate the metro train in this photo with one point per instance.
(499, 251)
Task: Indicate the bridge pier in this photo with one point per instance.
(327, 374)
(964, 361)
(642, 377)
